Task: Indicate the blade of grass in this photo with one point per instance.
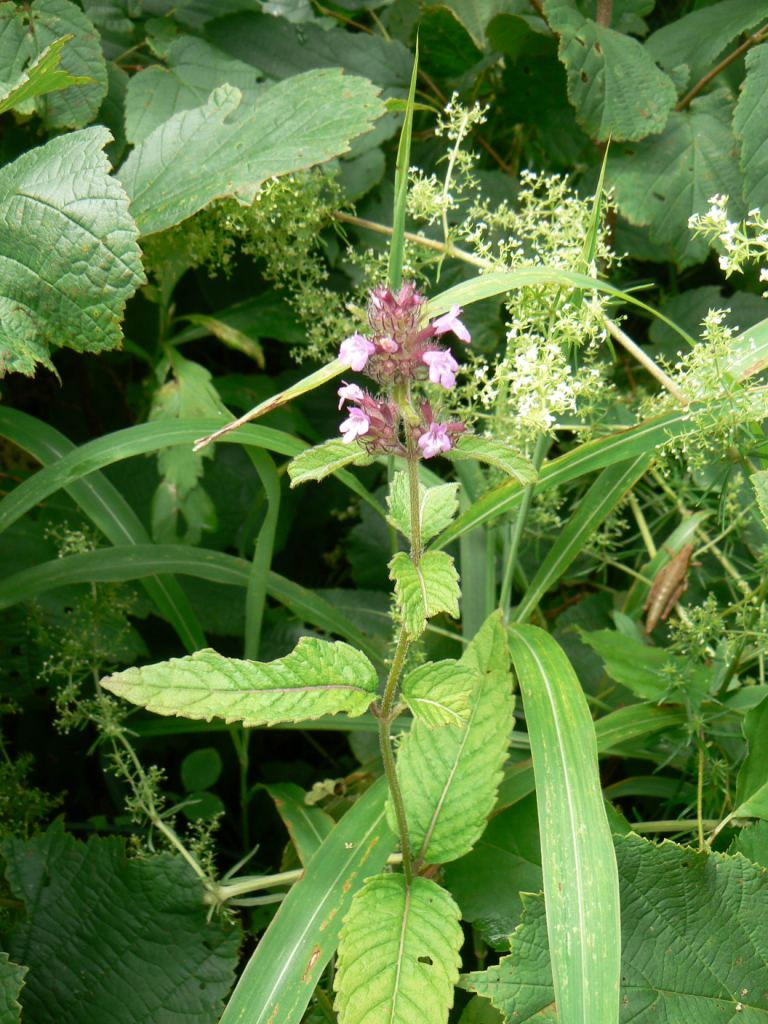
(581, 884)
(110, 513)
(256, 591)
(397, 243)
(280, 977)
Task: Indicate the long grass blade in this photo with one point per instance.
(256, 591)
(397, 242)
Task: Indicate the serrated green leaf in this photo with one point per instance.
(46, 21)
(494, 453)
(449, 777)
(322, 460)
(95, 922)
(660, 183)
(439, 692)
(694, 942)
(750, 123)
(424, 590)
(316, 678)
(437, 506)
(751, 799)
(41, 77)
(293, 125)
(759, 482)
(398, 954)
(67, 276)
(11, 983)
(194, 69)
(613, 82)
(752, 843)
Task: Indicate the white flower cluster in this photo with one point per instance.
(457, 121)
(742, 242)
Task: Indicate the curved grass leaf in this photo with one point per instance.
(578, 861)
(67, 275)
(42, 76)
(316, 678)
(307, 826)
(398, 953)
(439, 692)
(258, 579)
(449, 777)
(281, 976)
(402, 166)
(424, 590)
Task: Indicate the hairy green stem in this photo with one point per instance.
(387, 755)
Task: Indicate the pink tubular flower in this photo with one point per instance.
(349, 393)
(435, 440)
(442, 367)
(450, 322)
(356, 350)
(355, 426)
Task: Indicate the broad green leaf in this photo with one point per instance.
(439, 693)
(694, 942)
(751, 798)
(67, 276)
(578, 862)
(752, 843)
(322, 460)
(691, 45)
(11, 983)
(116, 939)
(437, 506)
(398, 954)
(613, 82)
(194, 69)
(281, 976)
(47, 21)
(294, 124)
(750, 123)
(759, 482)
(661, 182)
(424, 590)
(449, 777)
(42, 76)
(307, 826)
(494, 453)
(475, 16)
(316, 678)
(201, 769)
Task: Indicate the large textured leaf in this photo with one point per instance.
(439, 692)
(613, 82)
(194, 69)
(41, 77)
(449, 777)
(424, 590)
(437, 506)
(316, 678)
(68, 251)
(11, 982)
(111, 939)
(577, 858)
(293, 125)
(322, 460)
(662, 182)
(398, 953)
(751, 798)
(694, 942)
(750, 123)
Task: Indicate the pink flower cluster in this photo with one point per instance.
(400, 349)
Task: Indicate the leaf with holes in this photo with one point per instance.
(437, 506)
(439, 692)
(424, 590)
(398, 954)
(317, 678)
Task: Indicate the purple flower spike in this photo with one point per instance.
(442, 367)
(356, 350)
(450, 322)
(349, 393)
(435, 440)
(357, 425)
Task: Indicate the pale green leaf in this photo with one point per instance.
(230, 335)
(577, 857)
(11, 983)
(108, 938)
(316, 678)
(449, 777)
(398, 954)
(760, 484)
(751, 798)
(41, 77)
(307, 826)
(660, 183)
(67, 275)
(294, 124)
(750, 123)
(424, 590)
(694, 942)
(322, 460)
(494, 453)
(613, 82)
(194, 69)
(437, 506)
(439, 693)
